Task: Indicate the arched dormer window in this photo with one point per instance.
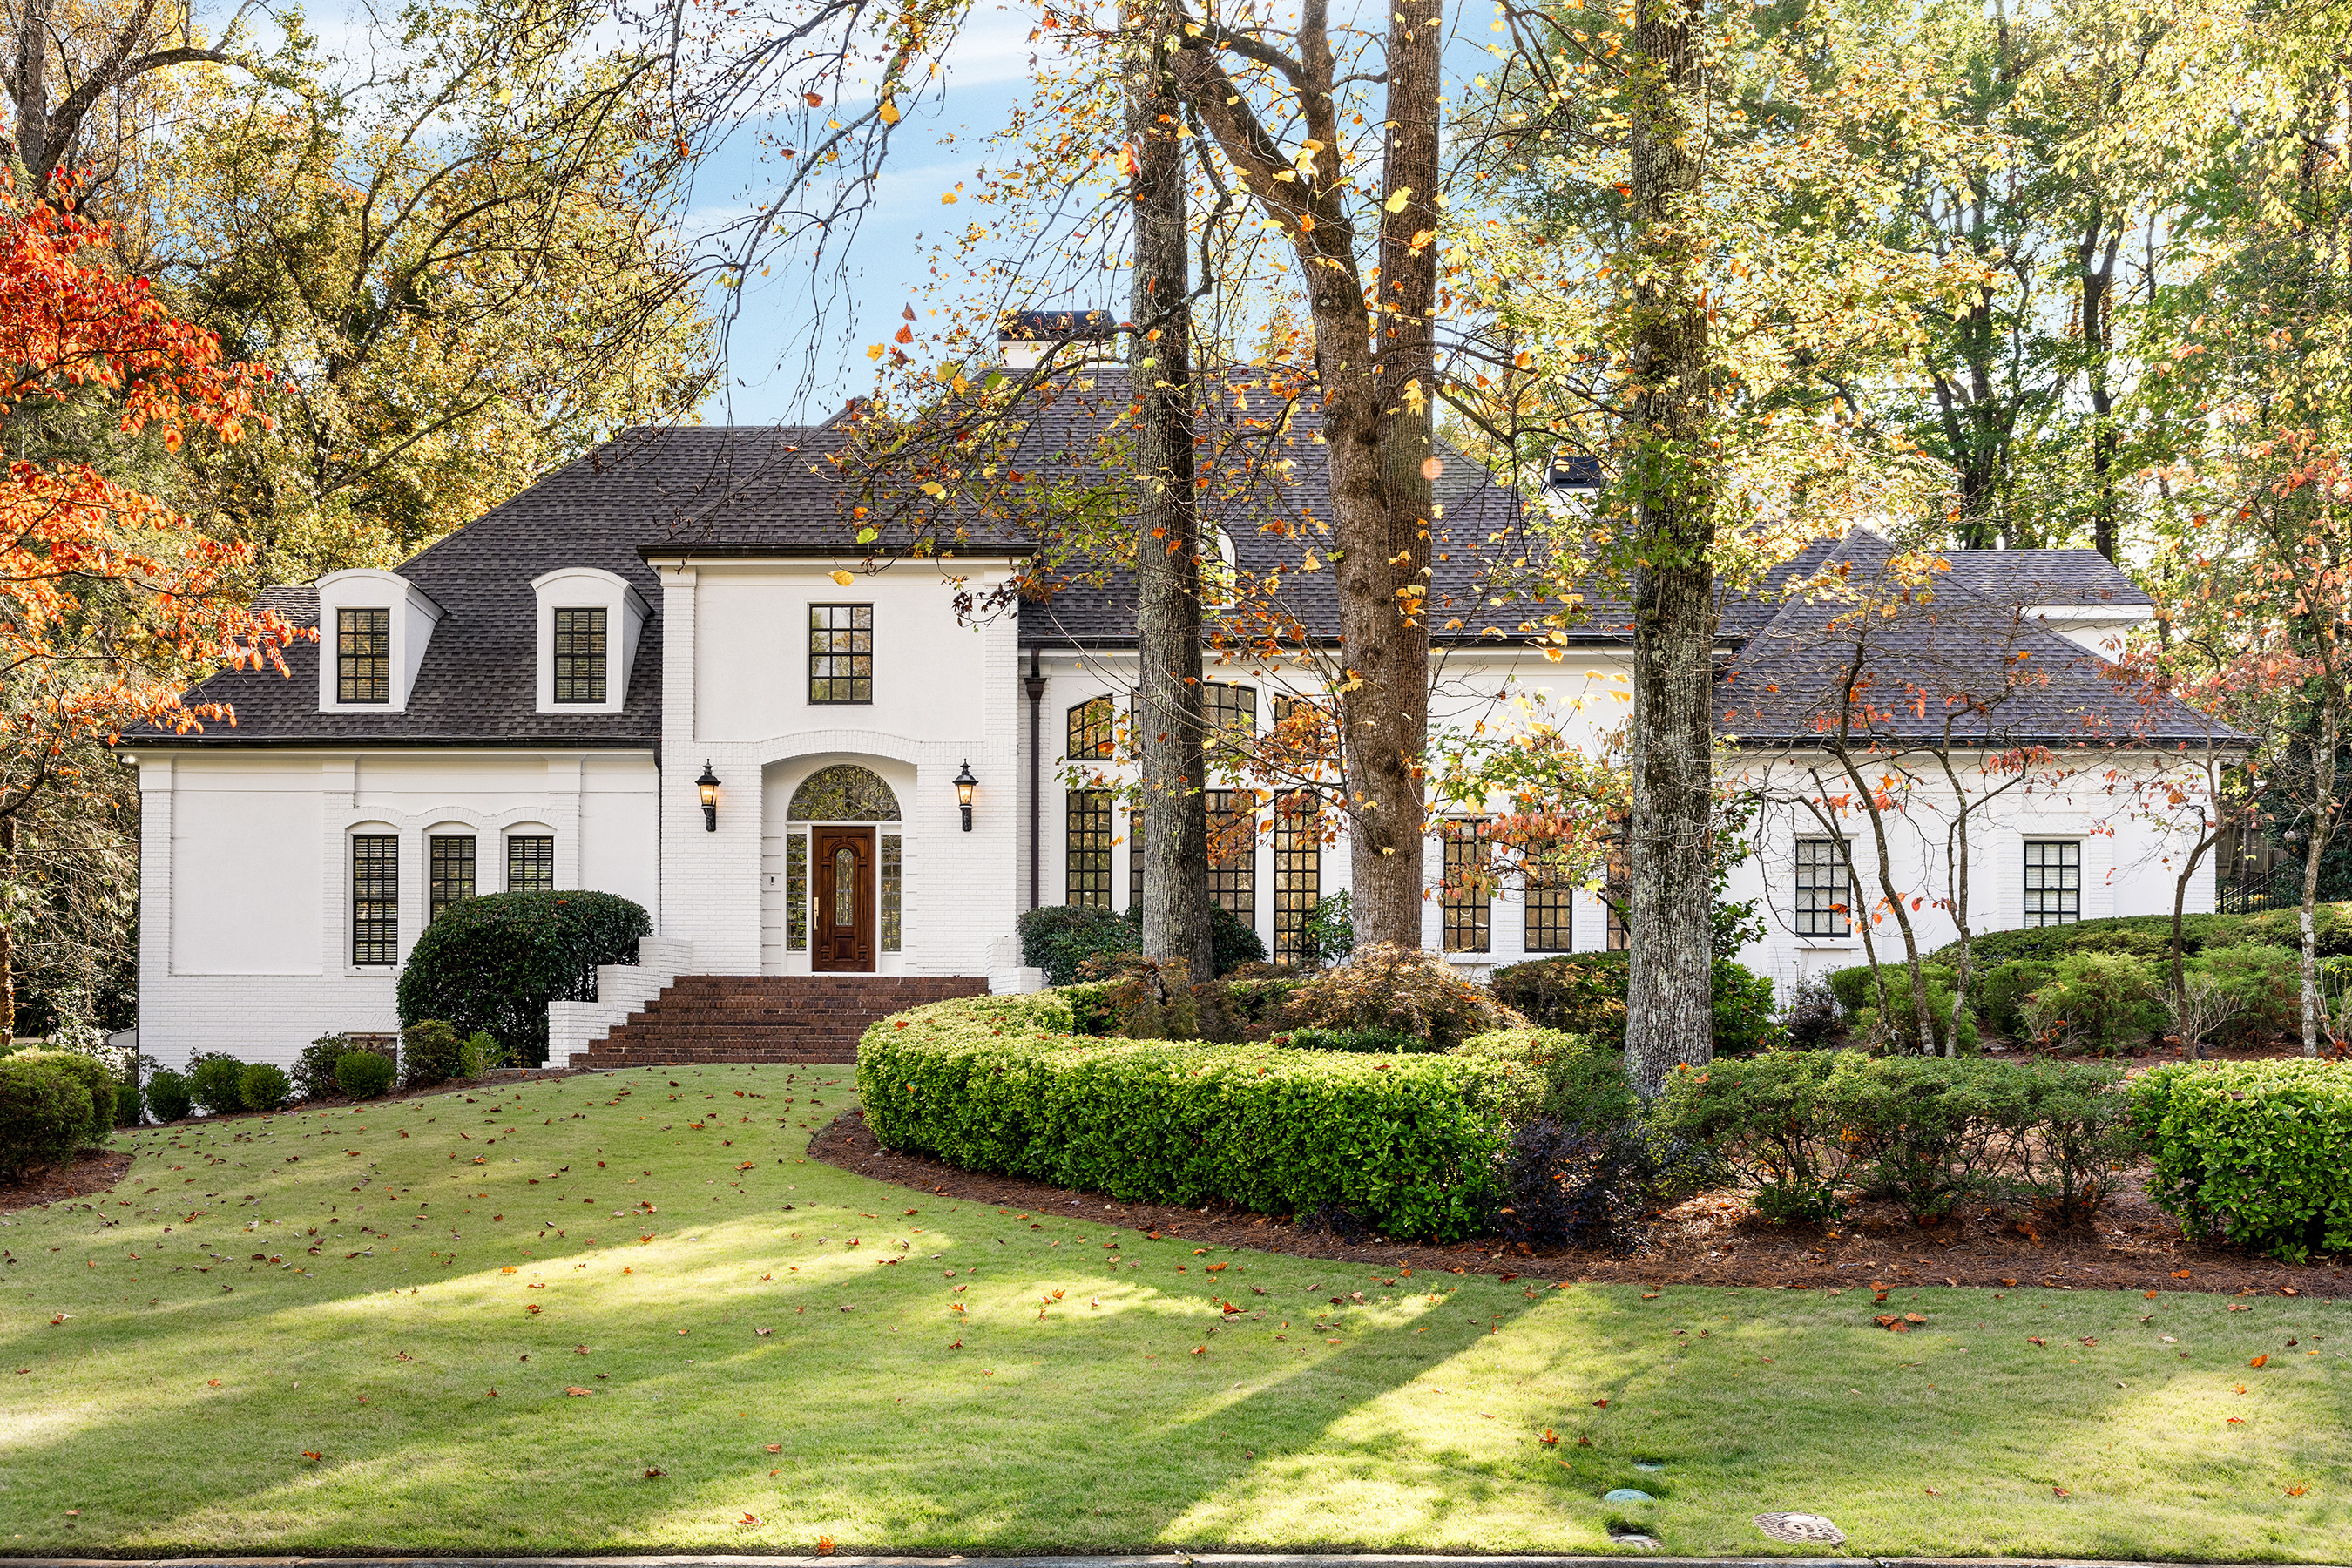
(374, 626)
(589, 624)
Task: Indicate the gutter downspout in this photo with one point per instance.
(1035, 685)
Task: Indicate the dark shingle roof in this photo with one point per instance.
(1928, 655)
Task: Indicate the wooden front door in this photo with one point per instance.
(842, 881)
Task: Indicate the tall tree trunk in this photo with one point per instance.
(28, 82)
(2097, 266)
(1373, 371)
(1175, 838)
(2323, 821)
(1668, 1007)
(7, 937)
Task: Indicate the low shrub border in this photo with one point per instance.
(2257, 1153)
(1409, 1144)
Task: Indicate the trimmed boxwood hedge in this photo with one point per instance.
(494, 963)
(1408, 1143)
(2252, 1152)
(2150, 936)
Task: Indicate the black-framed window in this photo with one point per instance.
(1551, 908)
(530, 863)
(580, 656)
(363, 655)
(1093, 729)
(1086, 848)
(1825, 905)
(1298, 872)
(841, 653)
(1469, 886)
(1233, 852)
(449, 859)
(1229, 717)
(1617, 889)
(375, 898)
(2054, 881)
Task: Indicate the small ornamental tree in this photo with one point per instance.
(109, 601)
(494, 963)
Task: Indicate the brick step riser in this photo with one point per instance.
(802, 1020)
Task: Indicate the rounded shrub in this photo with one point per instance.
(1320, 1040)
(2106, 1001)
(45, 1112)
(216, 1083)
(264, 1086)
(1388, 986)
(1584, 994)
(363, 1075)
(314, 1069)
(127, 1106)
(494, 963)
(168, 1098)
(430, 1053)
(2252, 1152)
(98, 1084)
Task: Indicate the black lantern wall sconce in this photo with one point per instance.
(709, 785)
(964, 784)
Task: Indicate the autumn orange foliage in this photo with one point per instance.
(110, 600)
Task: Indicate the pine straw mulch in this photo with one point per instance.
(1712, 1239)
(90, 1173)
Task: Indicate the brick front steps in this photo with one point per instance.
(766, 1017)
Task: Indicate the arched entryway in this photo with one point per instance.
(833, 889)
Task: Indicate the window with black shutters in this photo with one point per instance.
(2054, 881)
(363, 655)
(450, 857)
(375, 898)
(1092, 725)
(1085, 849)
(841, 653)
(580, 656)
(530, 864)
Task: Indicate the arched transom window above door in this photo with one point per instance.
(843, 792)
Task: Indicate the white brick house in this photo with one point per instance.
(532, 701)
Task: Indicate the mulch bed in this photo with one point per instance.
(91, 1173)
(1712, 1239)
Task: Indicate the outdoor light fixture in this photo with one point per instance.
(709, 785)
(965, 783)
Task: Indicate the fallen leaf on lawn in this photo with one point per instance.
(2297, 1490)
(825, 1546)
(1912, 1318)
(312, 1454)
(576, 1391)
(2237, 1420)
(775, 1447)
(493, 1393)
(1601, 1405)
(749, 1519)
(1551, 1437)
(2062, 1492)
(2032, 1340)
(656, 1473)
(212, 1383)
(2260, 1360)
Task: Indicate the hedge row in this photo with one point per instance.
(1407, 1143)
(2150, 936)
(2255, 1153)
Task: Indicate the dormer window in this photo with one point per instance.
(589, 623)
(580, 655)
(363, 655)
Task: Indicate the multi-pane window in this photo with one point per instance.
(363, 656)
(580, 656)
(796, 891)
(451, 857)
(1233, 852)
(2054, 881)
(1135, 820)
(892, 880)
(1085, 849)
(1229, 714)
(1552, 907)
(1297, 872)
(1824, 895)
(530, 864)
(1469, 886)
(1618, 894)
(1093, 729)
(375, 898)
(841, 653)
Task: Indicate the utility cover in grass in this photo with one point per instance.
(1799, 1529)
(1628, 1494)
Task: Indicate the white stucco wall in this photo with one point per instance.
(245, 874)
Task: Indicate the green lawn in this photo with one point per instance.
(1101, 1397)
